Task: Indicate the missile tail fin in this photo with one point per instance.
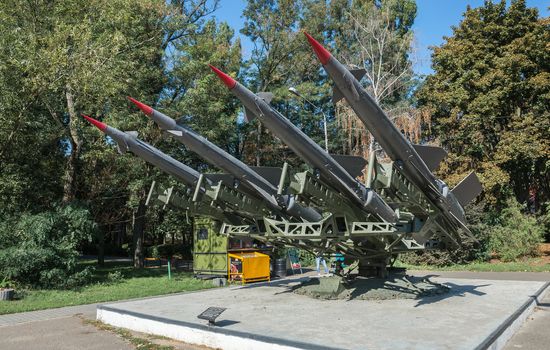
(271, 174)
(249, 115)
(226, 179)
(174, 132)
(133, 134)
(266, 96)
(358, 73)
(354, 165)
(121, 146)
(337, 95)
(467, 189)
(431, 155)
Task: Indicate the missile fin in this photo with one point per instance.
(349, 78)
(249, 115)
(271, 174)
(133, 134)
(354, 165)
(264, 194)
(266, 96)
(358, 73)
(337, 95)
(174, 132)
(122, 146)
(431, 155)
(467, 189)
(226, 179)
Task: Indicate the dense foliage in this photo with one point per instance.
(490, 101)
(513, 234)
(42, 249)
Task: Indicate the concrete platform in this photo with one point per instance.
(475, 314)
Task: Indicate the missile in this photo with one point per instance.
(308, 150)
(128, 141)
(396, 146)
(223, 160)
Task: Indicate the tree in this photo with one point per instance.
(196, 96)
(489, 100)
(62, 58)
(281, 58)
(377, 37)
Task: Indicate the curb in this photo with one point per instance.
(498, 338)
(197, 334)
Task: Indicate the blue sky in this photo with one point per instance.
(433, 21)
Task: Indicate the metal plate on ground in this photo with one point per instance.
(211, 313)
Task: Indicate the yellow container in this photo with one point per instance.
(247, 267)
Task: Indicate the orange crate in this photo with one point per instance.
(248, 267)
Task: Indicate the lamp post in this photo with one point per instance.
(317, 109)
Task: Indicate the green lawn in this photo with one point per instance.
(531, 265)
(129, 284)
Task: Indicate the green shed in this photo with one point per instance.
(209, 248)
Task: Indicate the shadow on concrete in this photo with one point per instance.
(225, 323)
(287, 282)
(421, 289)
(457, 290)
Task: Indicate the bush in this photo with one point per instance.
(115, 277)
(306, 258)
(515, 234)
(40, 250)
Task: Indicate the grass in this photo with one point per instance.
(529, 265)
(114, 281)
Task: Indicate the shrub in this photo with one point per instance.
(515, 234)
(40, 250)
(115, 277)
(306, 258)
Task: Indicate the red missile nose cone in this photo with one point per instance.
(146, 109)
(101, 126)
(320, 51)
(227, 80)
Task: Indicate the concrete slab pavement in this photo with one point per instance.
(25, 330)
(65, 333)
(271, 314)
(88, 310)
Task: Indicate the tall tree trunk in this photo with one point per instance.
(120, 233)
(69, 185)
(137, 232)
(101, 247)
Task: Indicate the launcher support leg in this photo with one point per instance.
(374, 267)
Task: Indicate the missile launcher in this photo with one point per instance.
(402, 207)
